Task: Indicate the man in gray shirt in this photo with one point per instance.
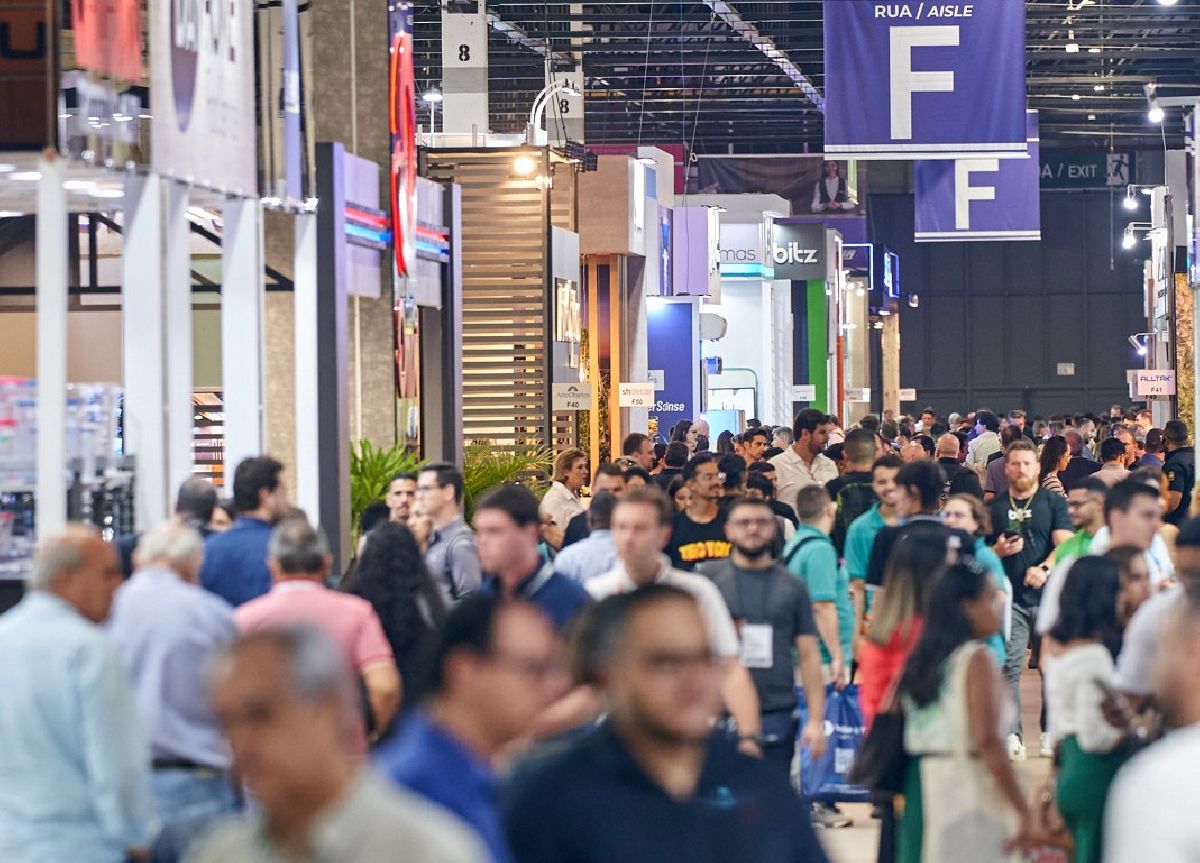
(452, 558)
(282, 696)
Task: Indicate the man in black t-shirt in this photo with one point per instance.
(959, 478)
(1027, 523)
(853, 491)
(698, 533)
(1180, 468)
(920, 487)
(773, 614)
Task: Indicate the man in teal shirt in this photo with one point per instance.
(811, 557)
(860, 536)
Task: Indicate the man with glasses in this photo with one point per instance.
(497, 665)
(773, 614)
(641, 523)
(451, 557)
(654, 782)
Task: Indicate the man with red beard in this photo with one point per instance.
(1028, 522)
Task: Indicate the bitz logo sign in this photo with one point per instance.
(798, 251)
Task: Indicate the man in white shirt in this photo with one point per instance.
(1143, 636)
(1133, 516)
(1151, 813)
(641, 526)
(985, 443)
(804, 463)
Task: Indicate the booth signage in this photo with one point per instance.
(635, 394)
(798, 251)
(979, 199)
(1159, 383)
(804, 393)
(1086, 170)
(907, 395)
(658, 377)
(1066, 369)
(924, 80)
(202, 93)
(571, 397)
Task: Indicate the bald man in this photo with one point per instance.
(74, 764)
(959, 479)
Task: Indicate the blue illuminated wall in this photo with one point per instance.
(674, 348)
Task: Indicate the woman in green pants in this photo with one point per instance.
(1078, 676)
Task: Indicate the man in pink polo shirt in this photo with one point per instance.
(299, 560)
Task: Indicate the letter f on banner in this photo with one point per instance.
(965, 193)
(905, 81)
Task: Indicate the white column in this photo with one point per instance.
(142, 317)
(51, 252)
(177, 354)
(242, 332)
(308, 478)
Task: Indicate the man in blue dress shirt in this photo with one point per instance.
(74, 766)
(235, 562)
(168, 631)
(497, 666)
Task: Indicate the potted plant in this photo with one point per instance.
(371, 472)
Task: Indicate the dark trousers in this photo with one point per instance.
(779, 729)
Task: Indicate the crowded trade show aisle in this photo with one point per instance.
(570, 432)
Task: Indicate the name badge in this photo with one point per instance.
(758, 645)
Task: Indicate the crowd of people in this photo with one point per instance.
(615, 677)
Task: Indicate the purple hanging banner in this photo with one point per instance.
(979, 199)
(924, 80)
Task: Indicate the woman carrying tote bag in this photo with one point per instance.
(962, 799)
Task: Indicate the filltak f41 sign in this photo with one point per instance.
(922, 80)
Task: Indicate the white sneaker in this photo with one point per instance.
(1016, 749)
(1047, 746)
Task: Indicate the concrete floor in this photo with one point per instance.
(859, 843)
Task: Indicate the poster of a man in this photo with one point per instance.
(831, 193)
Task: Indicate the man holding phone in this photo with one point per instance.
(1028, 523)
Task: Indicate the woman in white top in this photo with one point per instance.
(1078, 676)
(962, 798)
(561, 503)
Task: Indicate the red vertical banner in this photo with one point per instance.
(108, 37)
(403, 127)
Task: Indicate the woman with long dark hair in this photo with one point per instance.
(1056, 454)
(1077, 680)
(960, 792)
(391, 575)
(897, 617)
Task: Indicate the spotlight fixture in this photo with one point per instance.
(1075, 97)
(914, 301)
(524, 166)
(1155, 114)
(1131, 201)
(1127, 240)
(1094, 50)
(1167, 2)
(433, 96)
(1099, 88)
(1072, 47)
(1091, 116)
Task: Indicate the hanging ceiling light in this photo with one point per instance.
(1131, 201)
